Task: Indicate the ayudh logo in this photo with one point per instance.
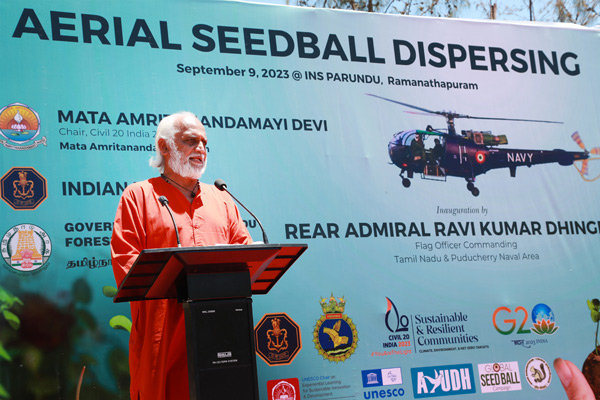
(444, 380)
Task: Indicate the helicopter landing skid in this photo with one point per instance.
(406, 181)
(471, 188)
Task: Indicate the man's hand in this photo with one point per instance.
(573, 381)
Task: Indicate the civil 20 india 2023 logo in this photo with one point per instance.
(335, 335)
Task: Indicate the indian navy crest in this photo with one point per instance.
(277, 336)
(23, 188)
(26, 248)
(20, 126)
(335, 335)
(277, 339)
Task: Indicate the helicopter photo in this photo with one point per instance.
(471, 153)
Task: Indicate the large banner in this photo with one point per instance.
(442, 173)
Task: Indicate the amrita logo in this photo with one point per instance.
(446, 380)
(20, 125)
(542, 316)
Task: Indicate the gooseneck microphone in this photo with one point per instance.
(222, 186)
(163, 200)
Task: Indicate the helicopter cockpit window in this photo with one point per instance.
(397, 139)
(408, 137)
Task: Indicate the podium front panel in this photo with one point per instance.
(221, 346)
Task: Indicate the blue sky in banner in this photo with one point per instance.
(466, 13)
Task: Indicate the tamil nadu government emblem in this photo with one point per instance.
(20, 126)
(335, 335)
(26, 248)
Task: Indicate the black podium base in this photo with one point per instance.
(214, 284)
(221, 350)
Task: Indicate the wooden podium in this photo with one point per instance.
(215, 285)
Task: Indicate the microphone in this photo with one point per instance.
(222, 186)
(163, 200)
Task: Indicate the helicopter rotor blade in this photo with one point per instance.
(585, 163)
(449, 114)
(406, 104)
(575, 136)
(419, 113)
(583, 172)
(584, 167)
(506, 119)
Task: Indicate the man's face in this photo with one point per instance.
(187, 155)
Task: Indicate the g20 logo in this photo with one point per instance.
(505, 320)
(509, 324)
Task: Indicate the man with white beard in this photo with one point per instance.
(204, 216)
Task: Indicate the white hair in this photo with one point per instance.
(167, 128)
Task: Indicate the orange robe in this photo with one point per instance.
(157, 345)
